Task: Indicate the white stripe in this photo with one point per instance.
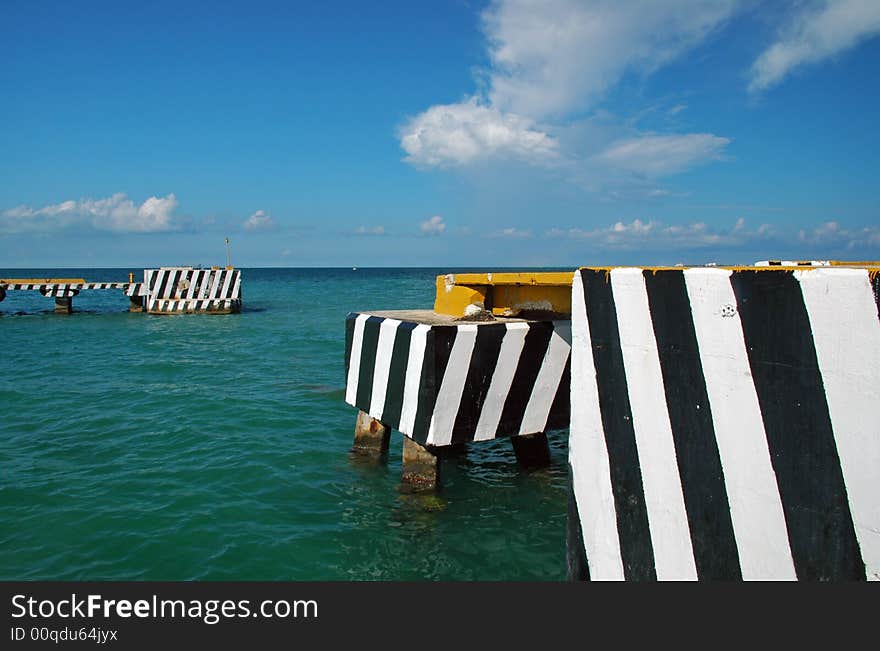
(415, 361)
(588, 452)
(667, 518)
(236, 288)
(215, 285)
(384, 348)
(354, 364)
(547, 382)
(846, 333)
(193, 281)
(452, 387)
(752, 492)
(226, 283)
(502, 378)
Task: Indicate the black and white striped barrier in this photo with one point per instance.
(724, 424)
(445, 384)
(176, 290)
(167, 290)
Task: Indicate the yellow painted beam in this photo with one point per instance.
(504, 294)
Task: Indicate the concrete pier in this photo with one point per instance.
(491, 360)
(167, 290)
(64, 305)
(421, 466)
(371, 438)
(724, 423)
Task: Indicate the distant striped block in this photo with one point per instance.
(184, 289)
(447, 384)
(725, 424)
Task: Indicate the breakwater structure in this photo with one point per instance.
(490, 360)
(166, 290)
(723, 421)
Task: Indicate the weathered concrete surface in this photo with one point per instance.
(531, 450)
(421, 466)
(370, 436)
(64, 305)
(136, 303)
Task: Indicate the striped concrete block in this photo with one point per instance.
(184, 289)
(447, 384)
(724, 424)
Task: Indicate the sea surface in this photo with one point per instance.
(150, 447)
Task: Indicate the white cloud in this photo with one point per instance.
(458, 134)
(433, 226)
(655, 235)
(374, 230)
(819, 31)
(832, 234)
(555, 57)
(259, 221)
(552, 61)
(117, 213)
(653, 156)
(512, 233)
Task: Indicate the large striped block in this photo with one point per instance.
(185, 289)
(725, 424)
(448, 383)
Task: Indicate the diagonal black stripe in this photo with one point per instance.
(636, 549)
(690, 415)
(484, 358)
(438, 347)
(397, 374)
(368, 362)
(560, 410)
(534, 349)
(791, 393)
(161, 282)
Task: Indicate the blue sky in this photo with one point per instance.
(504, 133)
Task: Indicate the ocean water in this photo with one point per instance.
(147, 447)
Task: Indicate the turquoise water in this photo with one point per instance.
(135, 446)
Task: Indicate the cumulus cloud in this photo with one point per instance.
(374, 230)
(117, 213)
(259, 221)
(458, 134)
(655, 235)
(653, 156)
(433, 226)
(549, 63)
(554, 57)
(819, 31)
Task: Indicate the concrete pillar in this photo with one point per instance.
(370, 436)
(531, 450)
(136, 304)
(63, 305)
(421, 466)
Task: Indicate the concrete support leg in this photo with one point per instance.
(531, 450)
(64, 305)
(370, 436)
(136, 304)
(421, 466)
